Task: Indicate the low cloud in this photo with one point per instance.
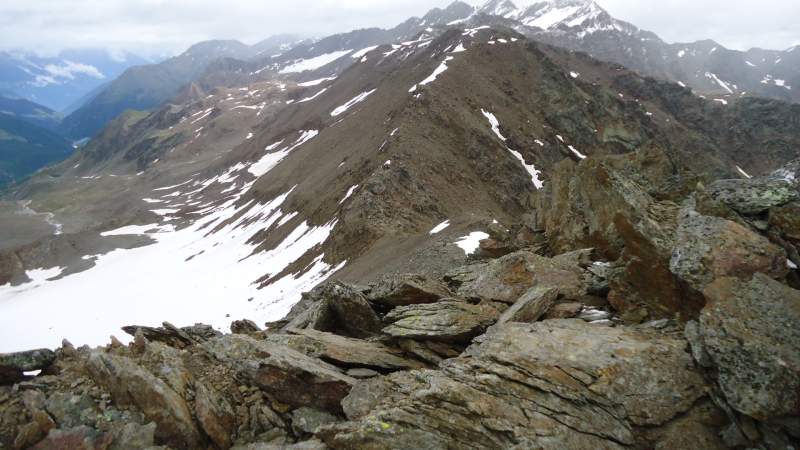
(170, 26)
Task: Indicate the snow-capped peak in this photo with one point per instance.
(545, 14)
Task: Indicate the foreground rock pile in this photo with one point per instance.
(661, 314)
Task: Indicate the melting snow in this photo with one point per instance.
(576, 152)
(530, 168)
(574, 74)
(314, 63)
(315, 82)
(744, 174)
(791, 265)
(439, 228)
(460, 48)
(357, 99)
(471, 242)
(308, 99)
(439, 70)
(722, 84)
(131, 230)
(269, 161)
(348, 194)
(187, 276)
(363, 52)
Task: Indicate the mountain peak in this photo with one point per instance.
(546, 14)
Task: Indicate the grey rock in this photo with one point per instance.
(531, 306)
(345, 352)
(244, 327)
(130, 384)
(13, 365)
(289, 376)
(407, 289)
(710, 247)
(751, 197)
(307, 420)
(506, 279)
(447, 321)
(337, 308)
(751, 332)
(559, 384)
(173, 336)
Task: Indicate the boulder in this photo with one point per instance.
(345, 352)
(130, 384)
(506, 279)
(560, 384)
(291, 377)
(244, 327)
(13, 365)
(337, 308)
(451, 321)
(707, 248)
(750, 333)
(407, 289)
(753, 196)
(531, 306)
(566, 310)
(215, 415)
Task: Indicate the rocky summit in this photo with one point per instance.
(459, 233)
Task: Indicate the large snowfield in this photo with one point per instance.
(190, 275)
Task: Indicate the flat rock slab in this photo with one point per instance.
(446, 321)
(345, 352)
(560, 384)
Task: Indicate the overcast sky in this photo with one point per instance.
(169, 26)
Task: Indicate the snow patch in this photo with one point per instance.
(315, 63)
(355, 100)
(439, 228)
(471, 242)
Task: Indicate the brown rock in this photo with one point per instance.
(564, 311)
(215, 415)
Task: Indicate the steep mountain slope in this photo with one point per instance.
(285, 184)
(26, 148)
(59, 81)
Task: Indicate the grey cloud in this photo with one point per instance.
(169, 26)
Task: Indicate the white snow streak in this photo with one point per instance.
(357, 99)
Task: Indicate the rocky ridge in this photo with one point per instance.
(657, 319)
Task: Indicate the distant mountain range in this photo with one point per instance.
(92, 88)
(60, 81)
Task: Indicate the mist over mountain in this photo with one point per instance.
(521, 225)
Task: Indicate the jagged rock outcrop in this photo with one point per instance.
(555, 384)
